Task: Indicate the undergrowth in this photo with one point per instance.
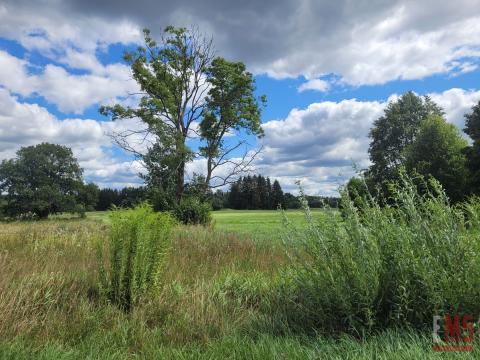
(374, 267)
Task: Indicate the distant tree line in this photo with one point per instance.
(257, 192)
(412, 136)
(127, 197)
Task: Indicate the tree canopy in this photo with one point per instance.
(230, 106)
(186, 90)
(393, 132)
(41, 180)
(438, 152)
(472, 152)
(413, 135)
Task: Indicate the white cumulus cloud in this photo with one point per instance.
(314, 84)
(70, 93)
(23, 124)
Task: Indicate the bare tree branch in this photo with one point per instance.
(240, 167)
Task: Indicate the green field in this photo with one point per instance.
(50, 309)
(258, 224)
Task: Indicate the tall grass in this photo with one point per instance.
(224, 295)
(375, 267)
(138, 243)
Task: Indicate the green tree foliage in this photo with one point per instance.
(292, 201)
(358, 190)
(193, 211)
(255, 192)
(88, 196)
(137, 247)
(438, 151)
(127, 197)
(277, 195)
(219, 199)
(43, 179)
(107, 198)
(318, 201)
(171, 77)
(183, 84)
(230, 106)
(472, 152)
(195, 206)
(393, 132)
(262, 197)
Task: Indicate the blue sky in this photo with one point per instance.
(327, 69)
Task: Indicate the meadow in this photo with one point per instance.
(211, 304)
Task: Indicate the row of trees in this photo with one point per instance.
(252, 192)
(46, 179)
(413, 136)
(127, 197)
(255, 192)
(258, 193)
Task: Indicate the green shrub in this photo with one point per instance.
(192, 211)
(374, 267)
(137, 246)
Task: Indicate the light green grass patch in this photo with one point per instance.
(260, 224)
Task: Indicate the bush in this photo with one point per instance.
(377, 267)
(192, 211)
(217, 203)
(137, 246)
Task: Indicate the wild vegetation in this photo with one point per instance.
(137, 246)
(359, 281)
(354, 283)
(375, 267)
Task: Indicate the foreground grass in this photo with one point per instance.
(389, 345)
(50, 307)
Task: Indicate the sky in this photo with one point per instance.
(328, 69)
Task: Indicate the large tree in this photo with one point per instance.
(173, 85)
(438, 152)
(393, 132)
(42, 179)
(472, 152)
(183, 85)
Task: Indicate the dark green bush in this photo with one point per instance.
(193, 211)
(137, 246)
(377, 267)
(217, 203)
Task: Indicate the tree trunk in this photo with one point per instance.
(209, 174)
(180, 147)
(180, 180)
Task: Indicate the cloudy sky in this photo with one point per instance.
(328, 69)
